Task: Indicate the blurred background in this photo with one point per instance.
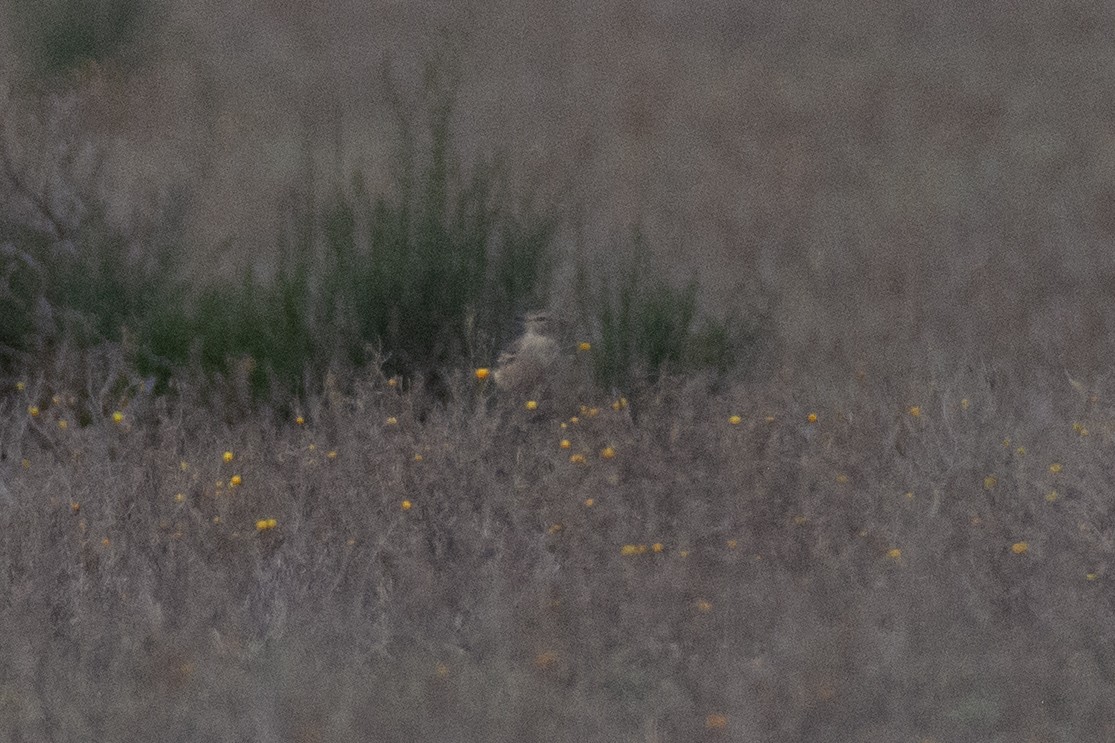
(903, 184)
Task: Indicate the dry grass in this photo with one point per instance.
(861, 577)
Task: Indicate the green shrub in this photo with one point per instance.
(60, 36)
(428, 277)
(646, 328)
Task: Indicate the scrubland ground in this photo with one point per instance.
(928, 561)
(869, 500)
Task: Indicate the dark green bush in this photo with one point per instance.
(645, 328)
(60, 36)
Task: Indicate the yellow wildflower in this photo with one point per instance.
(227, 456)
(566, 443)
(545, 659)
(406, 505)
(532, 405)
(812, 417)
(915, 411)
(1055, 467)
(235, 481)
(735, 420)
(482, 373)
(117, 417)
(584, 346)
(716, 721)
(607, 452)
(1019, 548)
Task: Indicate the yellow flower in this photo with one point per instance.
(656, 547)
(964, 404)
(799, 520)
(841, 478)
(1019, 548)
(117, 417)
(735, 420)
(554, 529)
(894, 553)
(545, 659)
(633, 549)
(183, 465)
(482, 373)
(418, 457)
(532, 405)
(63, 424)
(732, 544)
(33, 411)
(300, 420)
(589, 502)
(593, 412)
(704, 606)
(227, 456)
(20, 386)
(577, 458)
(1091, 576)
(990, 482)
(683, 554)
(406, 505)
(584, 346)
(566, 443)
(235, 481)
(75, 506)
(1051, 496)
(266, 524)
(812, 417)
(441, 670)
(716, 721)
(607, 452)
(769, 419)
(574, 420)
(106, 542)
(915, 411)
(393, 382)
(179, 497)
(1055, 467)
(392, 421)
(331, 454)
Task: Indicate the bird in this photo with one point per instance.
(533, 360)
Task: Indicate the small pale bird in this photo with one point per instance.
(533, 360)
